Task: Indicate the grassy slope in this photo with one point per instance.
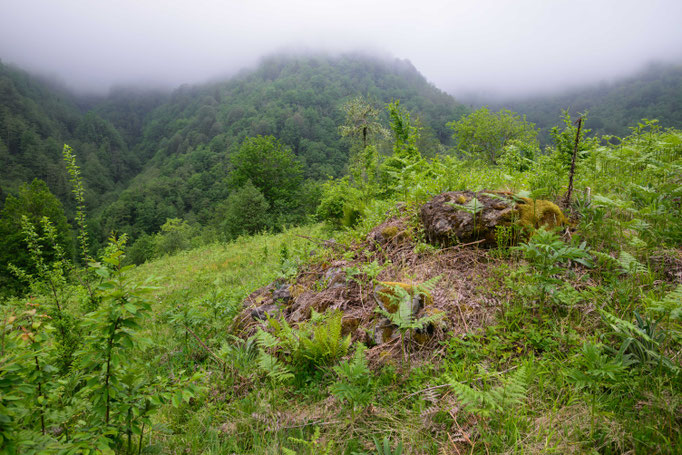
(541, 375)
(575, 396)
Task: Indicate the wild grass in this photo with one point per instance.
(581, 352)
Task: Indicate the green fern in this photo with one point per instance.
(326, 344)
(669, 306)
(404, 318)
(266, 340)
(355, 380)
(273, 368)
(629, 264)
(314, 446)
(512, 392)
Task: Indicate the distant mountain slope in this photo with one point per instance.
(188, 139)
(296, 99)
(35, 122)
(129, 109)
(654, 93)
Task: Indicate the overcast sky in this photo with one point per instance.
(459, 45)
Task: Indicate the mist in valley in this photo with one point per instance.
(474, 50)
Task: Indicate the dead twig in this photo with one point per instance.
(221, 361)
(572, 171)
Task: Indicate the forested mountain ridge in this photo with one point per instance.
(297, 100)
(148, 156)
(37, 119)
(654, 93)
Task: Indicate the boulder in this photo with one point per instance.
(262, 312)
(384, 332)
(464, 216)
(282, 294)
(334, 278)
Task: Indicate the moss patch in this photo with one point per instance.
(386, 294)
(539, 213)
(389, 231)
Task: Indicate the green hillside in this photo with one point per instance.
(190, 138)
(521, 328)
(613, 107)
(36, 119)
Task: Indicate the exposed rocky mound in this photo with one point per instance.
(393, 262)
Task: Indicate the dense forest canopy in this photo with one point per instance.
(148, 156)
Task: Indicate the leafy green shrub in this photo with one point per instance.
(341, 203)
(175, 235)
(485, 134)
(244, 212)
(142, 250)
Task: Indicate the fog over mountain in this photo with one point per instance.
(492, 46)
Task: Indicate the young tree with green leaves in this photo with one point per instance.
(34, 202)
(484, 134)
(362, 126)
(272, 168)
(405, 133)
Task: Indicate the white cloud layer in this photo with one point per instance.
(474, 45)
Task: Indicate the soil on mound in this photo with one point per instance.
(463, 297)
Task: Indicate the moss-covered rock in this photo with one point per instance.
(464, 216)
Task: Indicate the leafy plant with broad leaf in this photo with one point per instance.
(547, 253)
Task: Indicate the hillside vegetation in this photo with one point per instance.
(613, 107)
(148, 157)
(366, 334)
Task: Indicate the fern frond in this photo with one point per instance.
(670, 305)
(622, 326)
(513, 390)
(266, 339)
(273, 368)
(430, 395)
(510, 393)
(629, 264)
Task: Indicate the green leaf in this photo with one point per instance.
(131, 308)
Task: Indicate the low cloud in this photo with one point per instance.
(504, 47)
